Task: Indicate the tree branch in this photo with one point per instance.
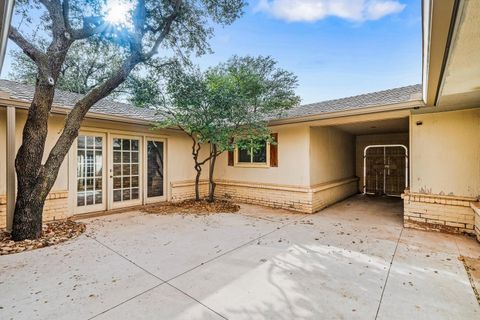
(165, 27)
(55, 10)
(75, 117)
(66, 15)
(29, 49)
(87, 30)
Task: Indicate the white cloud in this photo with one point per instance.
(314, 10)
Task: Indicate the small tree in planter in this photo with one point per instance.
(227, 107)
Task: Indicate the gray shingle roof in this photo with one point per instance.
(379, 98)
(24, 92)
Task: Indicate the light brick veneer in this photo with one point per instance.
(183, 190)
(276, 196)
(56, 207)
(327, 194)
(303, 199)
(436, 212)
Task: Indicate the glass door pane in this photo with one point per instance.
(89, 170)
(154, 169)
(125, 169)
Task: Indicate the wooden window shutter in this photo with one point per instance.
(274, 151)
(230, 156)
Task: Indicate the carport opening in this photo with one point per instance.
(379, 153)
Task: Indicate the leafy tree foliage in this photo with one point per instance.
(48, 30)
(87, 64)
(227, 106)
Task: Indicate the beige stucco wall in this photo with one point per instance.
(445, 153)
(332, 155)
(372, 139)
(293, 161)
(54, 129)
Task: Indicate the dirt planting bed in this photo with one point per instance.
(193, 207)
(53, 233)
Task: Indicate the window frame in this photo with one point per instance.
(252, 164)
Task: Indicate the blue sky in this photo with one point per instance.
(337, 48)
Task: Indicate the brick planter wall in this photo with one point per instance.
(183, 190)
(56, 207)
(441, 213)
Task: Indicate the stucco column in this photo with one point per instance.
(10, 165)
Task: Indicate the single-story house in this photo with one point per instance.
(420, 142)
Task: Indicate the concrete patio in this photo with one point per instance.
(352, 260)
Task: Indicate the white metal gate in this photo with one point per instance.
(385, 169)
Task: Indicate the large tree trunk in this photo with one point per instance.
(31, 190)
(211, 192)
(35, 180)
(27, 219)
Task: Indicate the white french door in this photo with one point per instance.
(125, 171)
(90, 178)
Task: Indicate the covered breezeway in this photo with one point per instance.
(376, 151)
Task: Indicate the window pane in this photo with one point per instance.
(81, 142)
(126, 170)
(260, 155)
(98, 184)
(117, 195)
(126, 194)
(126, 157)
(117, 144)
(126, 144)
(80, 199)
(117, 157)
(244, 155)
(134, 157)
(89, 198)
(98, 142)
(135, 145)
(98, 168)
(117, 169)
(89, 142)
(117, 183)
(98, 196)
(126, 182)
(89, 184)
(135, 181)
(134, 169)
(80, 184)
(135, 193)
(80, 163)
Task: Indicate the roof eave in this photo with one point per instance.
(438, 26)
(362, 111)
(56, 109)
